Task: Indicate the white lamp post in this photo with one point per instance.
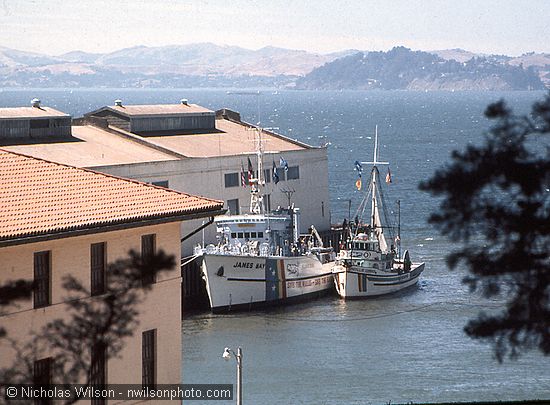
(227, 353)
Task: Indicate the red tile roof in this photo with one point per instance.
(39, 197)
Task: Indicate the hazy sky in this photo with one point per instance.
(507, 27)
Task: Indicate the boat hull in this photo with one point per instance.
(236, 282)
(357, 283)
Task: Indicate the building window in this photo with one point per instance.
(98, 268)
(267, 175)
(293, 173)
(42, 123)
(98, 369)
(267, 202)
(148, 358)
(163, 183)
(233, 206)
(232, 179)
(42, 276)
(42, 376)
(42, 371)
(55, 123)
(148, 248)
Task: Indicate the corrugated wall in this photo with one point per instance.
(115, 120)
(187, 122)
(35, 128)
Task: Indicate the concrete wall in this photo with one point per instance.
(205, 177)
(161, 308)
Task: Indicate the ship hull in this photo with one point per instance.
(243, 282)
(355, 282)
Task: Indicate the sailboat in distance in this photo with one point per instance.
(366, 265)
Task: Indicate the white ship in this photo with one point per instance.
(366, 266)
(262, 259)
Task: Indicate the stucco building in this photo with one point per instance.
(59, 220)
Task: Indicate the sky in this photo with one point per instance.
(509, 27)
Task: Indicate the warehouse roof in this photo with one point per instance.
(31, 112)
(139, 111)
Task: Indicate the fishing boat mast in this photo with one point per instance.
(398, 238)
(375, 222)
(375, 162)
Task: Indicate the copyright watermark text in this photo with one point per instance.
(214, 392)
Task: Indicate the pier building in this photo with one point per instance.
(34, 123)
(189, 148)
(58, 220)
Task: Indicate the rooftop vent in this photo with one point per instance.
(184, 101)
(35, 102)
(118, 103)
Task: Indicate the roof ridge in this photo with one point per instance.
(111, 176)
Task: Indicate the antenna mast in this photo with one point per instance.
(256, 200)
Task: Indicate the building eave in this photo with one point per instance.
(109, 227)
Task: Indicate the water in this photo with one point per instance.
(406, 347)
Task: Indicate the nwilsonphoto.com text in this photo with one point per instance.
(219, 392)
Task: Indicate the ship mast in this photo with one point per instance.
(375, 162)
(256, 200)
(374, 169)
(375, 223)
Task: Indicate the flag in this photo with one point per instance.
(275, 175)
(243, 176)
(388, 176)
(284, 164)
(250, 172)
(358, 183)
(358, 167)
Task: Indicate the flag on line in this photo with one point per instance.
(388, 176)
(358, 183)
(358, 167)
(250, 172)
(283, 163)
(275, 174)
(243, 176)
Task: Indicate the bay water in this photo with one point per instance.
(409, 346)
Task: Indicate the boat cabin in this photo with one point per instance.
(364, 251)
(259, 234)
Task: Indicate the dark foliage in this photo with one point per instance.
(101, 320)
(496, 201)
(12, 292)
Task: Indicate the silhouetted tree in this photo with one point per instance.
(11, 292)
(496, 200)
(103, 320)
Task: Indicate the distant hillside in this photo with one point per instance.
(210, 65)
(202, 64)
(460, 55)
(404, 69)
